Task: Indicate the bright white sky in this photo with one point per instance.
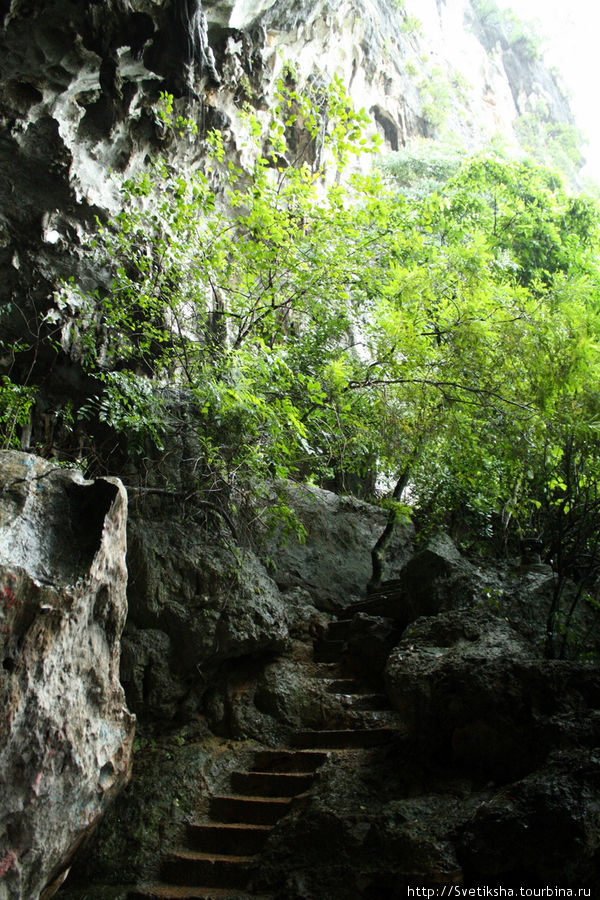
(572, 29)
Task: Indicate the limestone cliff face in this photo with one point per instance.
(78, 84)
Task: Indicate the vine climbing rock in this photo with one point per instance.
(65, 733)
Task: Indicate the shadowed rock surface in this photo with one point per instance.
(487, 775)
(334, 561)
(472, 691)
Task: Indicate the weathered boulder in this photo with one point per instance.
(434, 579)
(305, 621)
(267, 699)
(529, 593)
(470, 689)
(370, 829)
(379, 822)
(230, 708)
(333, 563)
(65, 734)
(195, 602)
(147, 672)
(437, 577)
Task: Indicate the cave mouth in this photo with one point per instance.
(89, 504)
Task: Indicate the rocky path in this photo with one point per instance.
(219, 857)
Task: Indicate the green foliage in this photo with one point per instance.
(165, 115)
(319, 327)
(403, 512)
(558, 146)
(438, 322)
(423, 166)
(16, 401)
(436, 94)
(411, 68)
(505, 26)
(234, 304)
(411, 25)
(132, 406)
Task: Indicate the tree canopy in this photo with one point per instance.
(441, 329)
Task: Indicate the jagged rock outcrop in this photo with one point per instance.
(435, 578)
(470, 689)
(541, 829)
(65, 732)
(489, 774)
(202, 608)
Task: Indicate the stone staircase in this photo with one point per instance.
(218, 857)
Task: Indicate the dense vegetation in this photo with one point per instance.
(433, 325)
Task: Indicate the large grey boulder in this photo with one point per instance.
(65, 733)
(196, 601)
(436, 578)
(213, 598)
(333, 563)
(370, 829)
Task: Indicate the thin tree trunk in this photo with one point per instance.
(378, 551)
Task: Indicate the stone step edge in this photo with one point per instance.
(252, 798)
(200, 855)
(340, 731)
(160, 890)
(290, 775)
(240, 826)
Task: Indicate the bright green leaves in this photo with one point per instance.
(327, 116)
(131, 406)
(314, 325)
(525, 215)
(16, 401)
(252, 306)
(164, 111)
(486, 332)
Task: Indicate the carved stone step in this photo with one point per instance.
(249, 810)
(347, 738)
(289, 760)
(342, 686)
(271, 784)
(329, 670)
(379, 599)
(185, 892)
(227, 837)
(190, 867)
(391, 588)
(367, 702)
(180, 892)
